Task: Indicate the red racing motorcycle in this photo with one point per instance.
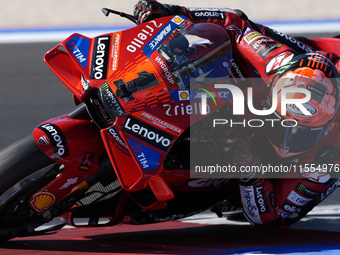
(123, 153)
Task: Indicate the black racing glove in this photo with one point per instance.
(146, 10)
(240, 152)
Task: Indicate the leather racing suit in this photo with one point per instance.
(257, 52)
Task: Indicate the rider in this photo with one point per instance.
(281, 61)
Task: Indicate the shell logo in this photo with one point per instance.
(183, 95)
(42, 200)
(177, 20)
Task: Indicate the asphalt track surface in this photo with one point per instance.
(30, 94)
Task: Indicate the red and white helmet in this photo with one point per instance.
(317, 74)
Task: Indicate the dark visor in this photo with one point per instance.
(296, 139)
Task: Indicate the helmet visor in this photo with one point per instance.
(296, 139)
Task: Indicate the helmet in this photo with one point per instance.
(317, 74)
(180, 50)
(179, 45)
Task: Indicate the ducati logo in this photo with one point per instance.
(43, 140)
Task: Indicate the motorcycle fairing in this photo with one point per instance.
(126, 58)
(75, 144)
(70, 61)
(140, 168)
(79, 47)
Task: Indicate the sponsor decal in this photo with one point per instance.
(115, 51)
(295, 110)
(161, 36)
(80, 49)
(248, 198)
(329, 190)
(147, 158)
(143, 36)
(183, 95)
(250, 37)
(100, 57)
(278, 61)
(301, 45)
(110, 99)
(184, 109)
(296, 199)
(315, 175)
(57, 138)
(289, 208)
(237, 70)
(165, 70)
(305, 191)
(249, 204)
(116, 136)
(258, 43)
(87, 161)
(69, 182)
(177, 20)
(196, 94)
(42, 200)
(261, 199)
(161, 123)
(318, 91)
(266, 49)
(103, 112)
(220, 95)
(148, 133)
(248, 30)
(43, 140)
(208, 14)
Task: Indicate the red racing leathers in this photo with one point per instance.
(257, 52)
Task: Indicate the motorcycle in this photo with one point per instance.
(123, 153)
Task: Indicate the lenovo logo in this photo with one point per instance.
(148, 133)
(100, 58)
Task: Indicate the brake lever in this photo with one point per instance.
(107, 11)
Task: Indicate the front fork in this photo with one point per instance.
(76, 144)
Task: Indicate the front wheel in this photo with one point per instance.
(24, 168)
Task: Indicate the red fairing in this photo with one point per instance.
(77, 145)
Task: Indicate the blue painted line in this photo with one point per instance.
(58, 34)
(305, 26)
(52, 35)
(61, 29)
(312, 21)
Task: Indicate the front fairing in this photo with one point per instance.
(143, 123)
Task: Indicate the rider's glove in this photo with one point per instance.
(240, 153)
(146, 10)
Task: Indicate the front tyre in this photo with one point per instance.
(24, 168)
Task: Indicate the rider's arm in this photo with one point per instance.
(250, 46)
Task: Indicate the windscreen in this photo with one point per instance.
(197, 51)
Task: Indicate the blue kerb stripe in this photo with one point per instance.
(61, 33)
